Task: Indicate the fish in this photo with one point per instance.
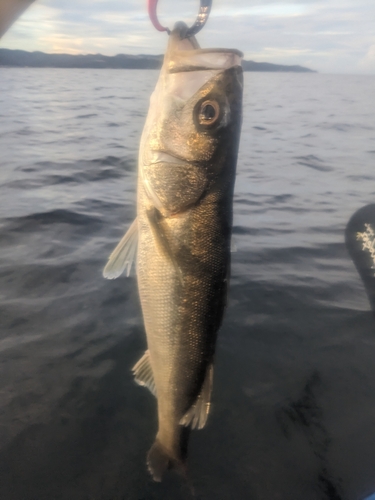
(181, 237)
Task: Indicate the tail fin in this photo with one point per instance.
(159, 460)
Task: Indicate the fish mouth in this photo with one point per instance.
(185, 55)
(155, 157)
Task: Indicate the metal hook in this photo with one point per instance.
(204, 12)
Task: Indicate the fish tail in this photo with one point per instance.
(159, 460)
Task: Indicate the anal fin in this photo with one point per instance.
(123, 255)
(143, 373)
(196, 416)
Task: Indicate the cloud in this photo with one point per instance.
(329, 35)
(268, 10)
(367, 63)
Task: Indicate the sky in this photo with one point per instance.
(330, 36)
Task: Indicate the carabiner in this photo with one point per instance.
(204, 12)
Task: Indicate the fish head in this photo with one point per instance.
(194, 120)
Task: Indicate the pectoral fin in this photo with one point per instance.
(196, 416)
(143, 373)
(153, 196)
(123, 255)
(154, 218)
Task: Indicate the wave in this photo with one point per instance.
(52, 217)
(314, 162)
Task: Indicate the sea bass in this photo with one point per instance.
(187, 166)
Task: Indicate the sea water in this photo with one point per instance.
(293, 406)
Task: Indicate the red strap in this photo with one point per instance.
(153, 16)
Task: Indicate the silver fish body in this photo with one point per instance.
(187, 165)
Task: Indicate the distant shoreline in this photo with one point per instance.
(22, 58)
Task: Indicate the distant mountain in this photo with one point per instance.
(264, 66)
(42, 60)
(21, 58)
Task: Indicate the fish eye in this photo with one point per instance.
(208, 113)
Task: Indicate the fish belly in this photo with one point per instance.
(182, 301)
